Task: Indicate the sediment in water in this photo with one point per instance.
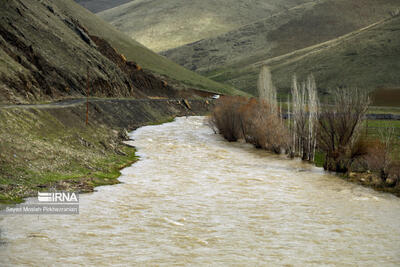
(50, 146)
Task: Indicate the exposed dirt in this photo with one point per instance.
(45, 54)
(144, 81)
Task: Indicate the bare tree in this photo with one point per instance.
(313, 109)
(395, 12)
(387, 137)
(305, 106)
(266, 88)
(379, 153)
(339, 128)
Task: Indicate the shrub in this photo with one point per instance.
(376, 158)
(339, 128)
(394, 171)
(379, 156)
(226, 117)
(252, 120)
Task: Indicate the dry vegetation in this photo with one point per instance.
(335, 130)
(251, 120)
(339, 129)
(379, 156)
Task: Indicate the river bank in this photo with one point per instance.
(374, 181)
(195, 199)
(362, 148)
(45, 147)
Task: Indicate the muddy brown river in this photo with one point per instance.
(195, 199)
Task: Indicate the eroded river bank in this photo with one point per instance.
(194, 198)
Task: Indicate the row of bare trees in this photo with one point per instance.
(332, 129)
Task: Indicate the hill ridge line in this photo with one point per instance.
(322, 46)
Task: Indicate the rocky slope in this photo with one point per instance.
(48, 47)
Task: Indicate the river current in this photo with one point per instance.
(195, 199)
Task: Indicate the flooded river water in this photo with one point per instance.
(195, 199)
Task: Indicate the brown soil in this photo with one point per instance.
(49, 56)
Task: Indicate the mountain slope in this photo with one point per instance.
(46, 48)
(132, 50)
(368, 59)
(165, 24)
(299, 27)
(45, 55)
(96, 6)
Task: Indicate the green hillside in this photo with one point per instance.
(368, 58)
(166, 24)
(134, 51)
(296, 28)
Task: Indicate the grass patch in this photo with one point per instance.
(82, 179)
(111, 167)
(162, 121)
(37, 152)
(373, 131)
(319, 159)
(10, 199)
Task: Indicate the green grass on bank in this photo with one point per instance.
(37, 153)
(162, 121)
(373, 129)
(377, 128)
(75, 178)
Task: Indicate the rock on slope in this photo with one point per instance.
(46, 52)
